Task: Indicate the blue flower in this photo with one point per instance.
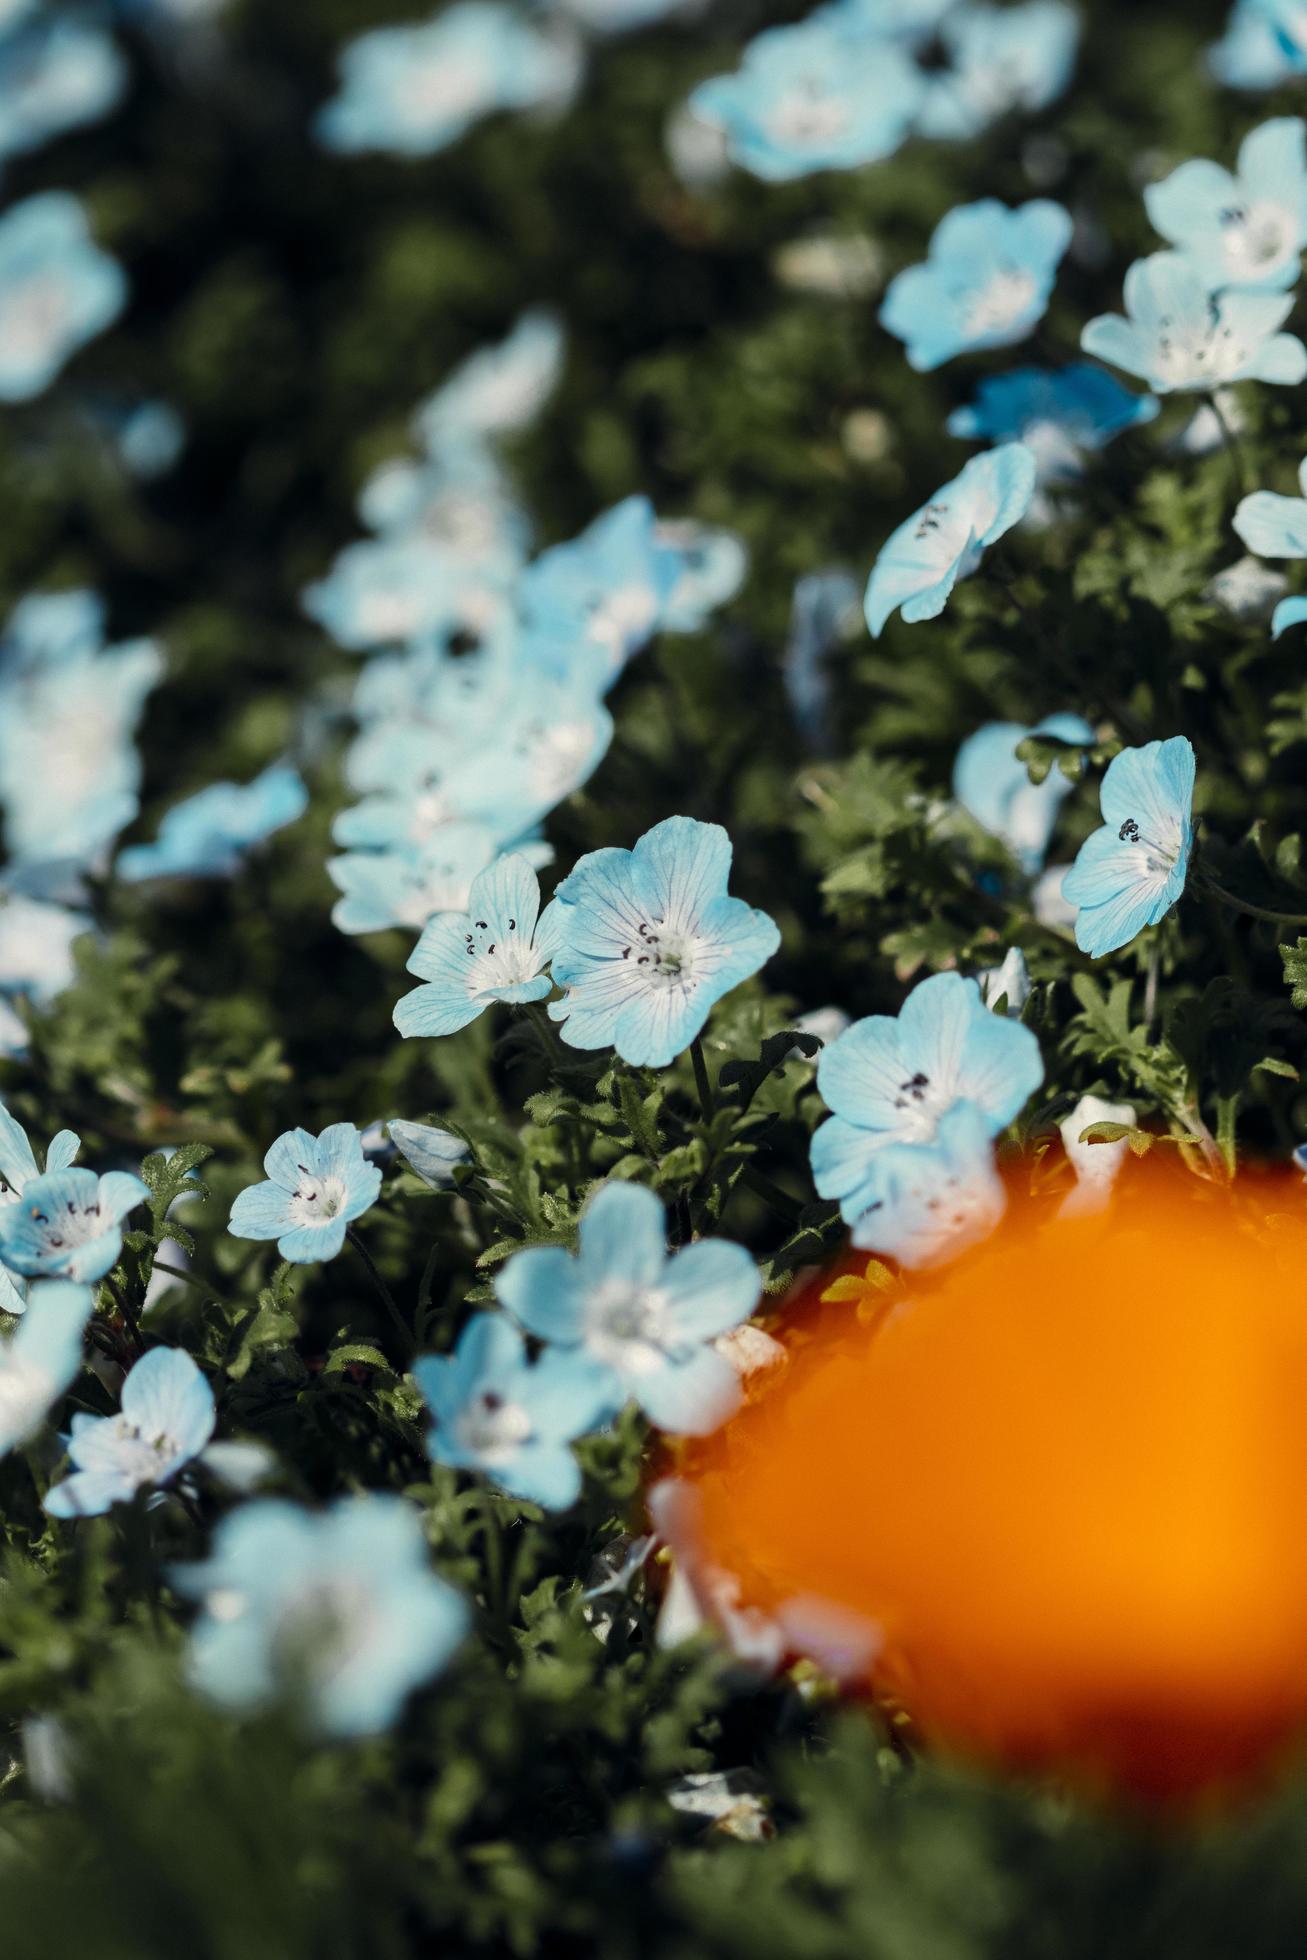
(1264, 44)
(1275, 526)
(36, 947)
(823, 610)
(413, 90)
(496, 390)
(992, 784)
(495, 1413)
(18, 1169)
(57, 290)
(429, 1151)
(40, 1359)
(209, 834)
(935, 1202)
(709, 565)
(316, 1187)
(998, 59)
(985, 282)
(496, 950)
(47, 627)
(1289, 612)
(605, 591)
(54, 75)
(68, 1223)
(167, 1417)
(407, 585)
(814, 96)
(1055, 412)
(891, 1081)
(945, 540)
(1130, 873)
(336, 1612)
(1178, 335)
(1244, 229)
(650, 940)
(646, 1319)
(150, 436)
(69, 770)
(406, 886)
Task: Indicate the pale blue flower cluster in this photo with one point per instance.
(56, 72)
(642, 942)
(848, 84)
(57, 291)
(69, 770)
(37, 938)
(621, 1321)
(1209, 311)
(413, 90)
(19, 1169)
(490, 713)
(916, 1101)
(209, 834)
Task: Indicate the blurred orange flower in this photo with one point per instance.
(1064, 1480)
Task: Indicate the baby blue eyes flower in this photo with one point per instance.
(710, 569)
(57, 290)
(208, 835)
(645, 1318)
(316, 1187)
(497, 389)
(1245, 228)
(405, 886)
(935, 1202)
(945, 540)
(68, 1223)
(812, 97)
(1275, 526)
(999, 59)
(430, 1152)
(1264, 44)
(892, 1082)
(36, 947)
(1178, 335)
(824, 610)
(993, 784)
(414, 90)
(18, 1169)
(1130, 873)
(39, 1360)
(69, 770)
(55, 75)
(496, 950)
(1055, 412)
(650, 941)
(985, 282)
(336, 1612)
(495, 1413)
(604, 591)
(166, 1418)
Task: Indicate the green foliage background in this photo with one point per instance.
(295, 307)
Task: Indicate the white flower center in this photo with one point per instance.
(998, 305)
(1152, 858)
(146, 1459)
(808, 116)
(1254, 236)
(438, 90)
(919, 1103)
(498, 956)
(33, 316)
(492, 1428)
(622, 618)
(69, 1226)
(316, 1200)
(662, 955)
(1199, 354)
(626, 1326)
(323, 1627)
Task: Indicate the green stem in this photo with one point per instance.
(707, 1101)
(771, 1193)
(188, 1279)
(1227, 1109)
(1233, 447)
(1253, 911)
(387, 1297)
